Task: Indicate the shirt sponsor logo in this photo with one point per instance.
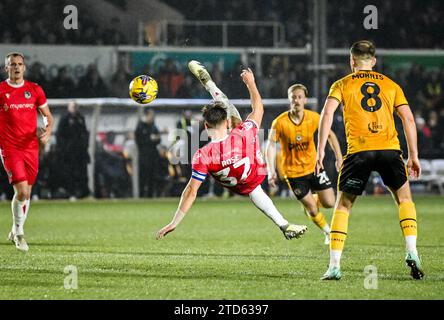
(303, 146)
(21, 106)
(5, 106)
(374, 127)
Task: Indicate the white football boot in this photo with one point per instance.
(20, 243)
(199, 71)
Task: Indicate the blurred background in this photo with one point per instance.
(106, 146)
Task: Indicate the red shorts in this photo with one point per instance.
(20, 165)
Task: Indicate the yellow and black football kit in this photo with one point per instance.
(369, 100)
(299, 152)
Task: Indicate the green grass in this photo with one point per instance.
(222, 250)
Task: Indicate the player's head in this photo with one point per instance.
(15, 66)
(215, 115)
(297, 95)
(362, 55)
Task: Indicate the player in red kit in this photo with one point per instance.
(233, 157)
(19, 141)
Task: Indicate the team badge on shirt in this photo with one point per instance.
(298, 137)
(7, 96)
(27, 94)
(247, 126)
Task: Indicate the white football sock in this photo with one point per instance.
(218, 95)
(263, 202)
(19, 211)
(28, 204)
(326, 229)
(335, 258)
(215, 92)
(410, 244)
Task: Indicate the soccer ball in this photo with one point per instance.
(143, 89)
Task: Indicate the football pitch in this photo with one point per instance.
(224, 249)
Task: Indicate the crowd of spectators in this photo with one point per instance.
(64, 84)
(406, 24)
(42, 22)
(401, 24)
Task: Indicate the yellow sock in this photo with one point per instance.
(407, 218)
(319, 220)
(339, 226)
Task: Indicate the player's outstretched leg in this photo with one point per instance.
(263, 202)
(202, 74)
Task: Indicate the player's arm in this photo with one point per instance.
(270, 155)
(187, 199)
(48, 119)
(256, 101)
(334, 144)
(325, 123)
(408, 122)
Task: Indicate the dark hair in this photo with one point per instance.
(363, 49)
(214, 113)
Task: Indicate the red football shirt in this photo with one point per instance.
(18, 114)
(236, 162)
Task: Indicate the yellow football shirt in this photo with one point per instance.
(297, 143)
(369, 100)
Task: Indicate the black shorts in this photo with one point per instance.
(357, 167)
(301, 186)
